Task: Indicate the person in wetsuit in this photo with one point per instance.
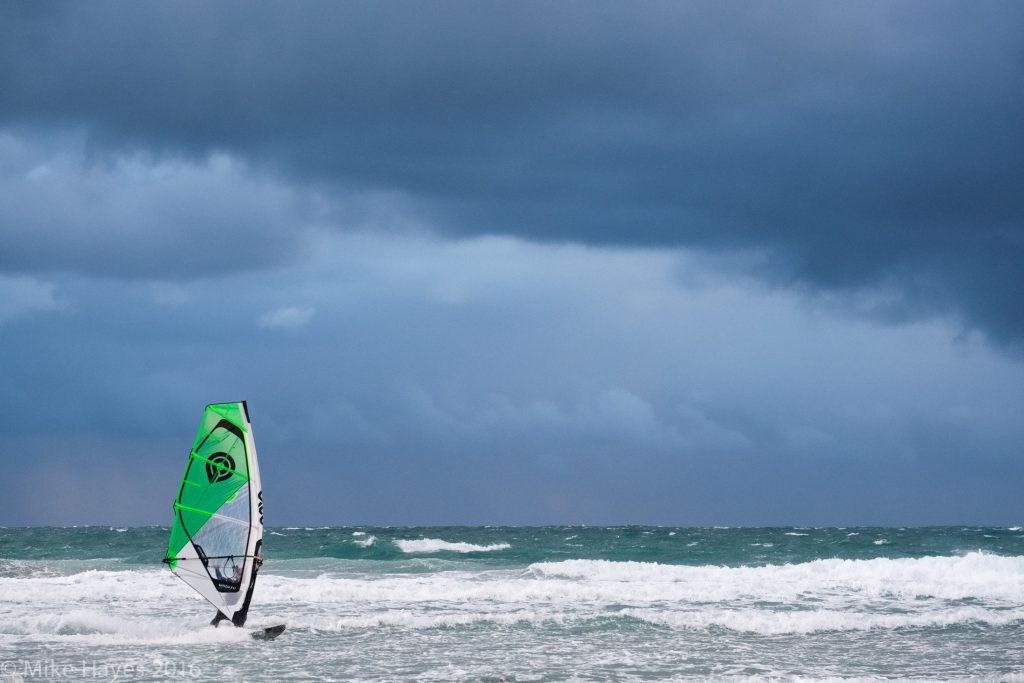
(240, 615)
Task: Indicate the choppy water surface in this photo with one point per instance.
(527, 604)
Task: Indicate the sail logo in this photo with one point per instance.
(260, 496)
(219, 467)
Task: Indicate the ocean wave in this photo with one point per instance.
(101, 627)
(363, 540)
(974, 575)
(908, 584)
(803, 622)
(758, 622)
(823, 595)
(754, 621)
(435, 545)
(92, 584)
(422, 620)
(24, 569)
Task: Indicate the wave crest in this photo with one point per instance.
(436, 545)
(974, 575)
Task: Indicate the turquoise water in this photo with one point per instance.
(528, 604)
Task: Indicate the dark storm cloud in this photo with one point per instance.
(494, 380)
(860, 143)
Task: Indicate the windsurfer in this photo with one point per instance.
(240, 616)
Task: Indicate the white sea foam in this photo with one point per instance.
(771, 622)
(762, 622)
(824, 595)
(977, 576)
(794, 533)
(435, 545)
(96, 626)
(102, 585)
(974, 575)
(364, 542)
(1015, 528)
(426, 620)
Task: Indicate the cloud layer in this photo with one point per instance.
(587, 262)
(494, 380)
(860, 144)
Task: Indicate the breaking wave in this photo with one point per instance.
(974, 575)
(435, 545)
(817, 596)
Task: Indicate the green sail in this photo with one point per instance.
(216, 472)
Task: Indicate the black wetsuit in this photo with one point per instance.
(243, 613)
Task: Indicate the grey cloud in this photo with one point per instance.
(495, 380)
(140, 217)
(287, 317)
(21, 296)
(860, 143)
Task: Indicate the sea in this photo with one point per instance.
(490, 604)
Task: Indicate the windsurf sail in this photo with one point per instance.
(217, 533)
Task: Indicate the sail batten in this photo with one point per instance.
(217, 531)
(214, 514)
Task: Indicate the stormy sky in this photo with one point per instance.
(732, 263)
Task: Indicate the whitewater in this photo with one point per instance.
(528, 604)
